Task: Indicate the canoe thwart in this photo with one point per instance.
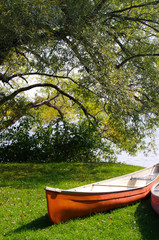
(114, 185)
(149, 178)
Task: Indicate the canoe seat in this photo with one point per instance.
(111, 185)
(148, 178)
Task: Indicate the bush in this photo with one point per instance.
(30, 141)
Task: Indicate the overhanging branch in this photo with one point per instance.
(49, 104)
(15, 93)
(136, 56)
(6, 79)
(135, 6)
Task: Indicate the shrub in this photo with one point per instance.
(31, 141)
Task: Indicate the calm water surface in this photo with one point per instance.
(140, 159)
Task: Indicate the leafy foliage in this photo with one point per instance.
(99, 58)
(56, 142)
(12, 111)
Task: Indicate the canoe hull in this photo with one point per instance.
(155, 198)
(66, 206)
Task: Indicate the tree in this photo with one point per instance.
(99, 56)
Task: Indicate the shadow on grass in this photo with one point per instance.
(37, 224)
(147, 220)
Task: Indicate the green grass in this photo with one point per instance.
(23, 210)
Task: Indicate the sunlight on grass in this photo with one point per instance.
(23, 210)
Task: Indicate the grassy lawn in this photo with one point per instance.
(23, 210)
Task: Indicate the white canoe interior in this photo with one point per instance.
(135, 180)
(130, 181)
(155, 190)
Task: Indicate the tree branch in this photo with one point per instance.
(56, 108)
(6, 79)
(47, 103)
(15, 93)
(99, 6)
(136, 56)
(135, 6)
(39, 104)
(74, 48)
(140, 20)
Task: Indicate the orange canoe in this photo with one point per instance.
(155, 197)
(101, 196)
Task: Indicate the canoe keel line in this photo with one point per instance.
(117, 192)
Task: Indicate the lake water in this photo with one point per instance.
(140, 159)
